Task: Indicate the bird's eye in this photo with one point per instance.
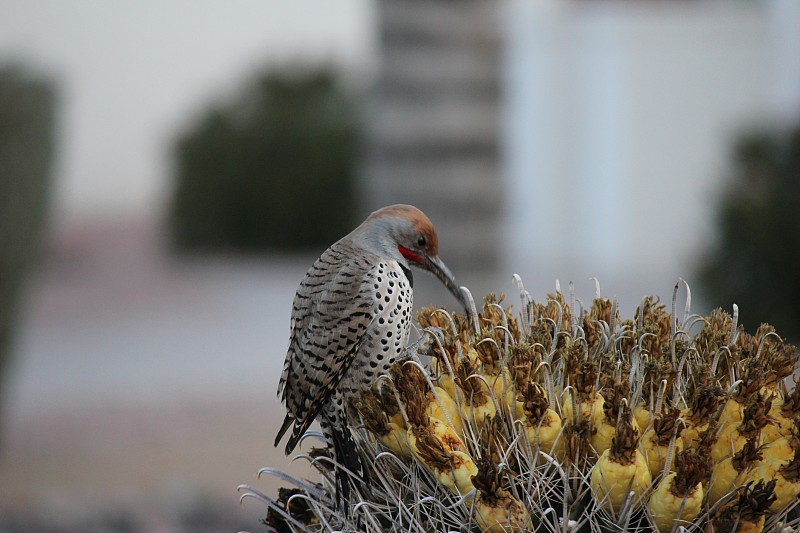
(422, 241)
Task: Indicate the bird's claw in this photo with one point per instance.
(426, 344)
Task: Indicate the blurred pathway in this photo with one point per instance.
(143, 382)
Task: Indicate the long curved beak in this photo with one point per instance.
(438, 269)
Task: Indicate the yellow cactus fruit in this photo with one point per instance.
(450, 439)
(446, 382)
(604, 426)
(642, 415)
(603, 432)
(397, 419)
(495, 509)
(420, 401)
(463, 470)
(503, 389)
(771, 431)
(621, 469)
(479, 413)
(410, 385)
(678, 498)
(452, 468)
(519, 410)
(734, 471)
(590, 409)
(442, 432)
(542, 424)
(782, 463)
(745, 513)
(703, 406)
(373, 413)
(751, 386)
(444, 409)
(732, 438)
(785, 411)
(396, 440)
(732, 413)
(777, 453)
(655, 442)
(478, 403)
(583, 396)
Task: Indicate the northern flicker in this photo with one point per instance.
(351, 320)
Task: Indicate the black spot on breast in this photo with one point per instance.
(409, 275)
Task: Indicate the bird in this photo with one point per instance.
(350, 322)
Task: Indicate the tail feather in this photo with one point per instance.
(340, 442)
(345, 453)
(294, 438)
(281, 432)
(298, 430)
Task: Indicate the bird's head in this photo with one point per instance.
(413, 241)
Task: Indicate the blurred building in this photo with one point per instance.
(619, 118)
(569, 139)
(434, 129)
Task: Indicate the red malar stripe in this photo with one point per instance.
(408, 254)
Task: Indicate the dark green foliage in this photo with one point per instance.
(272, 170)
(757, 260)
(27, 116)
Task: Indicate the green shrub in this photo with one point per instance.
(27, 120)
(756, 261)
(260, 172)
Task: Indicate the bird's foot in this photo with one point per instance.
(427, 343)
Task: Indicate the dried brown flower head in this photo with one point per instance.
(756, 414)
(535, 403)
(373, 413)
(431, 449)
(752, 503)
(692, 468)
(625, 440)
(664, 425)
(750, 453)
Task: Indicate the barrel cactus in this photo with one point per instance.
(565, 417)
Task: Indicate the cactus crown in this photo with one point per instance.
(675, 368)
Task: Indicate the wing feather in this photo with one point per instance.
(331, 314)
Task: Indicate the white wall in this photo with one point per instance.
(618, 126)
